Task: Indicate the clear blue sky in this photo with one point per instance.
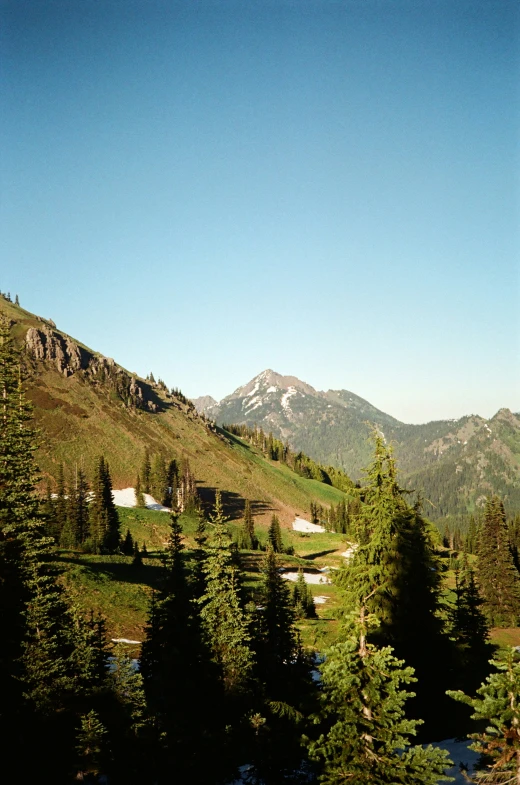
(329, 189)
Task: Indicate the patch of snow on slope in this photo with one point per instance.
(253, 401)
(249, 410)
(253, 391)
(352, 548)
(285, 398)
(301, 525)
(272, 389)
(126, 498)
(310, 577)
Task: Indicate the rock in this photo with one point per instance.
(45, 344)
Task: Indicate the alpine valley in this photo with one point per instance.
(453, 464)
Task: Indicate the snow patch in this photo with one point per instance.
(253, 401)
(352, 548)
(272, 389)
(124, 640)
(285, 398)
(301, 525)
(126, 498)
(253, 391)
(320, 600)
(309, 577)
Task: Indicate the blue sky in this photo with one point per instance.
(328, 189)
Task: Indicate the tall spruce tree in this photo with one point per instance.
(274, 535)
(139, 496)
(247, 537)
(104, 519)
(497, 576)
(224, 620)
(146, 471)
(176, 668)
(396, 567)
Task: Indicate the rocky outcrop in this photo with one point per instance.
(47, 345)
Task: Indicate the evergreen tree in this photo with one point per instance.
(60, 503)
(16, 300)
(274, 535)
(470, 629)
(175, 668)
(224, 621)
(159, 479)
(139, 496)
(498, 706)
(127, 546)
(498, 578)
(104, 519)
(471, 540)
(138, 559)
(247, 538)
(365, 735)
(396, 567)
(303, 601)
(146, 471)
(76, 529)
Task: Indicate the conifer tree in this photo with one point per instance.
(159, 479)
(146, 471)
(127, 546)
(137, 561)
(139, 496)
(104, 519)
(175, 668)
(302, 598)
(224, 620)
(247, 539)
(396, 567)
(498, 706)
(274, 535)
(498, 578)
(60, 503)
(470, 629)
(365, 735)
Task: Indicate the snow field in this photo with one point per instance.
(126, 498)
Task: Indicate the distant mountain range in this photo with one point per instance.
(454, 464)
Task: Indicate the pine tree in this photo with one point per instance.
(247, 539)
(497, 576)
(274, 535)
(498, 706)
(366, 736)
(175, 668)
(16, 300)
(139, 496)
(127, 546)
(396, 567)
(470, 629)
(104, 519)
(138, 559)
(224, 621)
(159, 479)
(92, 745)
(146, 471)
(303, 601)
(60, 503)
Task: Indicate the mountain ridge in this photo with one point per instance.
(455, 462)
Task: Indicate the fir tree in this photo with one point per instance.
(247, 538)
(365, 735)
(498, 706)
(396, 567)
(16, 300)
(139, 496)
(159, 479)
(498, 578)
(104, 519)
(60, 503)
(175, 668)
(303, 601)
(274, 535)
(127, 546)
(138, 559)
(92, 745)
(146, 471)
(224, 621)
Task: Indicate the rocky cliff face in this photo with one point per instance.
(47, 345)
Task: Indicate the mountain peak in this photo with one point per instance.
(271, 381)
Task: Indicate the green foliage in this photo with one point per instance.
(224, 620)
(497, 575)
(247, 539)
(274, 535)
(365, 736)
(498, 705)
(302, 599)
(104, 519)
